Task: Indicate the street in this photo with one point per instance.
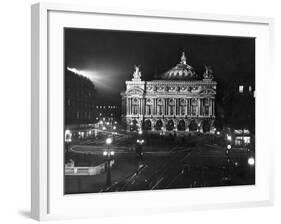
(167, 162)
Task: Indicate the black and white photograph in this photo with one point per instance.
(157, 111)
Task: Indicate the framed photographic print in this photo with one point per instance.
(146, 111)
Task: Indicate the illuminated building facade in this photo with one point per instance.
(178, 102)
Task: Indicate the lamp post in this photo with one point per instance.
(228, 148)
(251, 163)
(68, 139)
(139, 148)
(108, 155)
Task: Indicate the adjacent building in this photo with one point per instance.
(110, 113)
(79, 99)
(179, 101)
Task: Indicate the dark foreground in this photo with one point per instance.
(168, 162)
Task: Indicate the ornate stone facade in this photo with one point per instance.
(178, 102)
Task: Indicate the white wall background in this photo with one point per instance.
(15, 110)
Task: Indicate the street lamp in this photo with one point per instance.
(251, 161)
(68, 139)
(139, 148)
(140, 141)
(108, 141)
(229, 138)
(108, 155)
(228, 146)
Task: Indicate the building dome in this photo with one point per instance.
(181, 71)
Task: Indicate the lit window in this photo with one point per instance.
(250, 89)
(247, 140)
(241, 89)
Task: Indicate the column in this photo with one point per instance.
(213, 104)
(175, 106)
(199, 105)
(127, 106)
(185, 110)
(141, 106)
(154, 107)
(187, 106)
(139, 109)
(200, 109)
(130, 105)
(165, 106)
(210, 107)
(178, 107)
(144, 106)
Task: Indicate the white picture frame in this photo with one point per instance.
(47, 199)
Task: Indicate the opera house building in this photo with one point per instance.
(179, 101)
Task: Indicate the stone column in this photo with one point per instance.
(131, 106)
(154, 107)
(188, 106)
(163, 106)
(213, 100)
(179, 107)
(140, 110)
(175, 107)
(165, 111)
(139, 107)
(127, 106)
(210, 107)
(142, 106)
(199, 107)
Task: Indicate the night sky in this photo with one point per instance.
(108, 57)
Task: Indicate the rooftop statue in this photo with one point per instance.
(208, 74)
(183, 58)
(137, 73)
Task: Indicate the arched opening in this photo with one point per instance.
(181, 125)
(147, 125)
(170, 125)
(159, 125)
(134, 125)
(206, 126)
(193, 126)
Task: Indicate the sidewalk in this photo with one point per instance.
(122, 168)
